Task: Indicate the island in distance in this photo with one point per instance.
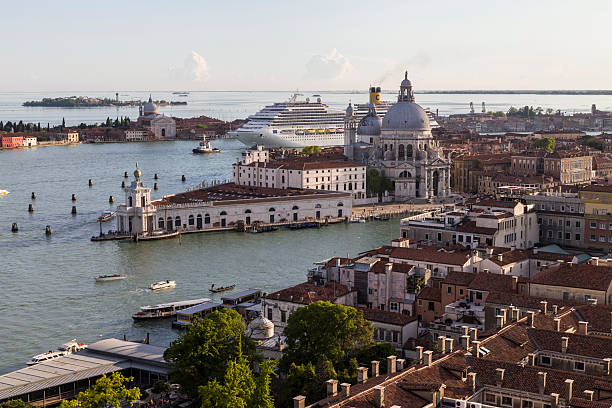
(87, 102)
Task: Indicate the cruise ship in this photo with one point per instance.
(304, 122)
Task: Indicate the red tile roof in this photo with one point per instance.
(588, 346)
(425, 253)
(384, 316)
(430, 293)
(306, 293)
(591, 277)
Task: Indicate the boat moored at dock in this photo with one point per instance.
(186, 316)
(65, 349)
(164, 310)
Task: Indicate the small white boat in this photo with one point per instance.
(106, 216)
(205, 147)
(167, 284)
(3, 192)
(357, 220)
(65, 349)
(106, 278)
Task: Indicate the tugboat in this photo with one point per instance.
(221, 288)
(63, 350)
(205, 147)
(167, 284)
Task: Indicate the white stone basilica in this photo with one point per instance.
(401, 147)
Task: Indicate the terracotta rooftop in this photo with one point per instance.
(471, 227)
(459, 278)
(306, 293)
(588, 346)
(430, 293)
(230, 193)
(425, 253)
(592, 277)
(384, 316)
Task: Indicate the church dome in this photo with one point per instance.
(349, 110)
(370, 124)
(406, 116)
(260, 328)
(150, 107)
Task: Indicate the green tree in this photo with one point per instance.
(376, 183)
(325, 330)
(546, 143)
(203, 352)
(15, 404)
(549, 111)
(240, 388)
(107, 391)
(378, 351)
(311, 150)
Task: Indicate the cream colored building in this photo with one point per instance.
(255, 169)
(30, 141)
(69, 136)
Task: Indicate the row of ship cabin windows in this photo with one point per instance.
(175, 223)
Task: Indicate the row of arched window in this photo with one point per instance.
(173, 223)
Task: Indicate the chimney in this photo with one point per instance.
(299, 401)
(391, 366)
(476, 345)
(337, 262)
(555, 309)
(531, 357)
(516, 313)
(499, 376)
(428, 359)
(595, 261)
(449, 344)
(388, 267)
(583, 328)
(541, 382)
(332, 387)
(419, 352)
(554, 400)
(472, 381)
(465, 342)
(474, 333)
(564, 344)
(346, 389)
(607, 365)
(569, 385)
(531, 319)
(500, 257)
(543, 306)
(379, 396)
(442, 344)
(588, 395)
(504, 313)
(362, 374)
(500, 321)
(401, 363)
(557, 324)
(465, 330)
(375, 368)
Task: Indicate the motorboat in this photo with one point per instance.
(3, 192)
(221, 288)
(106, 216)
(205, 147)
(163, 310)
(167, 284)
(63, 350)
(357, 220)
(106, 278)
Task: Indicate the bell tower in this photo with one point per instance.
(350, 131)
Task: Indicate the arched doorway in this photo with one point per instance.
(163, 132)
(169, 224)
(295, 212)
(160, 223)
(340, 209)
(435, 182)
(207, 219)
(177, 222)
(248, 217)
(318, 211)
(199, 221)
(271, 211)
(223, 219)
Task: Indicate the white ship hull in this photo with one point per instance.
(265, 137)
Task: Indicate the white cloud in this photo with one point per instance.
(328, 67)
(195, 69)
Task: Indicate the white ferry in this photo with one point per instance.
(166, 309)
(63, 350)
(167, 284)
(298, 123)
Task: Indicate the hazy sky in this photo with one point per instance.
(310, 45)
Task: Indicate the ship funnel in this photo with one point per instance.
(375, 95)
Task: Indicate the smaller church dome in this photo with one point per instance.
(349, 110)
(260, 328)
(137, 173)
(370, 124)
